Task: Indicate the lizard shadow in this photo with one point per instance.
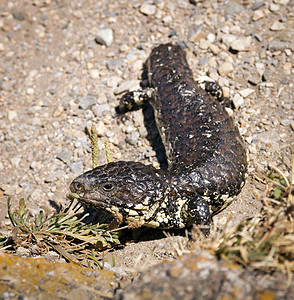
(153, 135)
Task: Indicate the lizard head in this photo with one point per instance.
(119, 187)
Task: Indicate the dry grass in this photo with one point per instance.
(64, 232)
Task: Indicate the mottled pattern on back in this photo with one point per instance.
(201, 139)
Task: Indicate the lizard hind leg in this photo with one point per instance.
(136, 98)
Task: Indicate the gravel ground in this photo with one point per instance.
(65, 64)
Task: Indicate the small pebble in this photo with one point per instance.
(15, 161)
(129, 85)
(114, 63)
(148, 9)
(282, 2)
(113, 81)
(286, 122)
(266, 74)
(238, 101)
(277, 26)
(246, 92)
(11, 115)
(254, 77)
(277, 45)
(274, 7)
(101, 128)
(88, 102)
(99, 109)
(30, 91)
(65, 156)
(76, 167)
(234, 8)
(18, 14)
(257, 15)
(94, 73)
(195, 33)
(104, 37)
(242, 44)
(58, 111)
(132, 138)
(292, 125)
(257, 4)
(225, 68)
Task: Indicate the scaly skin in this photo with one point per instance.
(206, 155)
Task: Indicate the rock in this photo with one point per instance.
(228, 38)
(274, 7)
(282, 2)
(242, 44)
(225, 68)
(101, 128)
(233, 8)
(104, 37)
(30, 91)
(198, 274)
(88, 102)
(36, 165)
(277, 26)
(253, 77)
(18, 14)
(204, 44)
(203, 60)
(58, 111)
(278, 45)
(266, 74)
(211, 37)
(114, 63)
(148, 9)
(214, 49)
(195, 33)
(286, 122)
(99, 109)
(132, 138)
(113, 81)
(267, 137)
(94, 73)
(76, 167)
(38, 278)
(257, 15)
(257, 4)
(15, 161)
(5, 85)
(292, 125)
(52, 177)
(65, 156)
(11, 115)
(238, 101)
(129, 85)
(246, 92)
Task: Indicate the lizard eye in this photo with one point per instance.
(107, 187)
(78, 186)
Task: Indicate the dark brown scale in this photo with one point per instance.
(206, 155)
